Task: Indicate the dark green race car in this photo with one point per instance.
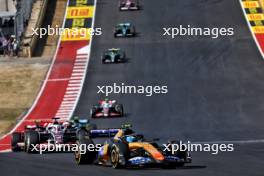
(113, 55)
(124, 30)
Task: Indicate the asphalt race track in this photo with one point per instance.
(215, 89)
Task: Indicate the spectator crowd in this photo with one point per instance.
(8, 42)
(9, 46)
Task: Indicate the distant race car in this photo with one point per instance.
(124, 30)
(114, 55)
(107, 108)
(125, 5)
(128, 150)
(42, 132)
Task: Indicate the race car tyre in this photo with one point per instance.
(180, 164)
(91, 126)
(25, 137)
(84, 157)
(124, 56)
(120, 5)
(168, 166)
(15, 139)
(119, 155)
(172, 165)
(119, 108)
(106, 59)
(103, 59)
(133, 32)
(82, 134)
(93, 112)
(117, 58)
(31, 139)
(179, 154)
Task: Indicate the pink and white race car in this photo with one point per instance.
(107, 108)
(125, 5)
(43, 134)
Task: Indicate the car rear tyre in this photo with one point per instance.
(119, 155)
(91, 126)
(119, 108)
(179, 154)
(84, 157)
(31, 140)
(82, 134)
(93, 112)
(16, 138)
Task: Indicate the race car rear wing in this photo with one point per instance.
(104, 133)
(111, 132)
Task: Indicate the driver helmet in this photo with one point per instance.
(106, 100)
(76, 119)
(55, 122)
(56, 128)
(66, 125)
(37, 123)
(130, 139)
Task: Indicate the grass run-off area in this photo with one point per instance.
(20, 81)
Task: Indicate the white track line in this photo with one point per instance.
(74, 85)
(78, 70)
(79, 67)
(82, 56)
(66, 108)
(251, 141)
(78, 74)
(6, 151)
(70, 96)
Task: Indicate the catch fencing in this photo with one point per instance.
(24, 8)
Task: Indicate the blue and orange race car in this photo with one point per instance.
(127, 150)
